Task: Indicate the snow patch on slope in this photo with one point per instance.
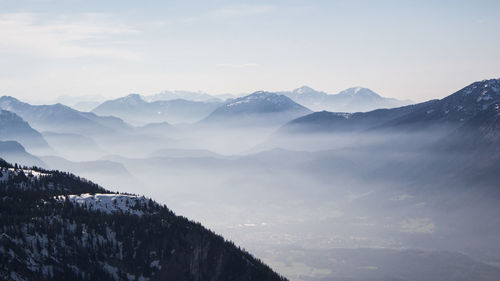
(7, 173)
(109, 203)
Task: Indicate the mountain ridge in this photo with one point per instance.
(61, 118)
(355, 99)
(13, 127)
(451, 111)
(186, 95)
(138, 111)
(62, 227)
(258, 109)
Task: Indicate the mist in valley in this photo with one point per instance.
(306, 140)
(349, 205)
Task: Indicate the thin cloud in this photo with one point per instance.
(243, 10)
(64, 37)
(231, 12)
(232, 65)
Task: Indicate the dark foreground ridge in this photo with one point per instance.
(57, 226)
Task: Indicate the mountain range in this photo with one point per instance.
(455, 139)
(350, 100)
(448, 113)
(429, 168)
(190, 107)
(134, 109)
(258, 109)
(13, 127)
(63, 119)
(184, 95)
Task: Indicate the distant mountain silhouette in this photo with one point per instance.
(350, 100)
(13, 127)
(63, 119)
(74, 146)
(184, 95)
(161, 128)
(134, 109)
(257, 109)
(448, 113)
(14, 151)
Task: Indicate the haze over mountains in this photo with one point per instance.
(134, 109)
(350, 100)
(189, 107)
(61, 118)
(451, 112)
(257, 109)
(317, 195)
(64, 228)
(15, 152)
(186, 95)
(13, 127)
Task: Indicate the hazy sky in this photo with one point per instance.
(404, 49)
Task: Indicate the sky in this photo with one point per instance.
(415, 50)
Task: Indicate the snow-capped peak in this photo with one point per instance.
(260, 96)
(492, 84)
(359, 91)
(304, 90)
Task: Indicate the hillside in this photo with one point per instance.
(56, 226)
